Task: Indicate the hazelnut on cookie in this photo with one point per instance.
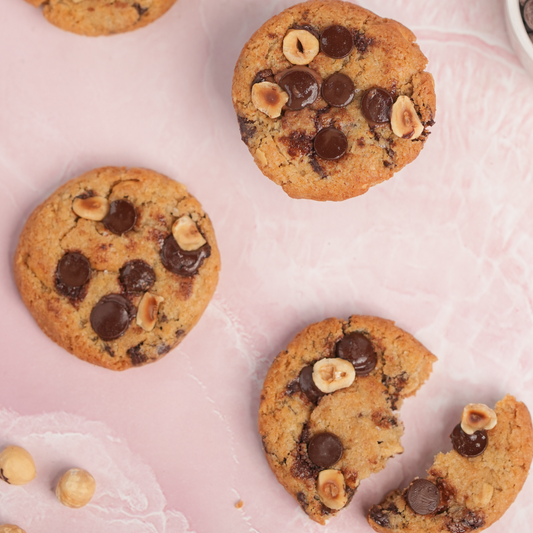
(332, 99)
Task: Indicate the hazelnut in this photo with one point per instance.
(92, 208)
(404, 119)
(147, 312)
(477, 416)
(186, 234)
(300, 47)
(10, 528)
(16, 466)
(481, 497)
(331, 489)
(75, 488)
(269, 98)
(332, 374)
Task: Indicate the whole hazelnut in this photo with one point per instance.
(10, 528)
(16, 466)
(75, 488)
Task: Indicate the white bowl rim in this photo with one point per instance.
(519, 27)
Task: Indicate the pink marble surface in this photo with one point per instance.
(445, 249)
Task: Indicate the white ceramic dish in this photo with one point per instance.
(518, 35)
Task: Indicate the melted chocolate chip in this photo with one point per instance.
(338, 90)
(301, 85)
(73, 270)
(247, 129)
(111, 316)
(469, 445)
(137, 276)
(336, 41)
(423, 496)
(357, 349)
(121, 217)
(307, 385)
(376, 105)
(180, 261)
(325, 449)
(330, 143)
(263, 75)
(379, 517)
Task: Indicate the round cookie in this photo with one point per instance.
(102, 17)
(99, 267)
(281, 112)
(320, 445)
(473, 491)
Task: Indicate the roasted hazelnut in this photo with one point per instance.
(477, 416)
(16, 466)
(10, 528)
(404, 119)
(147, 312)
(300, 47)
(331, 489)
(92, 208)
(269, 98)
(186, 233)
(332, 374)
(75, 488)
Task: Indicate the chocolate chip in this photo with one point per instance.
(376, 105)
(247, 129)
(528, 15)
(423, 496)
(136, 355)
(263, 75)
(301, 85)
(330, 143)
(121, 217)
(379, 517)
(325, 449)
(74, 270)
(307, 385)
(338, 90)
(111, 316)
(469, 445)
(357, 349)
(137, 276)
(180, 261)
(336, 41)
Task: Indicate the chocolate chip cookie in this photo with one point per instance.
(117, 266)
(327, 415)
(332, 99)
(471, 487)
(102, 17)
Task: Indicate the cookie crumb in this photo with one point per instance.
(239, 504)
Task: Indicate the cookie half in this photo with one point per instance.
(320, 445)
(117, 266)
(332, 99)
(102, 17)
(469, 488)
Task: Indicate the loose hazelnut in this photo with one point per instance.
(92, 208)
(269, 98)
(331, 489)
(75, 488)
(147, 312)
(186, 234)
(16, 466)
(404, 119)
(332, 374)
(10, 528)
(300, 47)
(477, 416)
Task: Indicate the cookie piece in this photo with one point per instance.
(288, 88)
(475, 484)
(102, 17)
(320, 445)
(100, 270)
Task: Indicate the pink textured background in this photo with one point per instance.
(445, 249)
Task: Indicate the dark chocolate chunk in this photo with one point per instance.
(111, 316)
(263, 75)
(336, 41)
(137, 276)
(361, 42)
(381, 518)
(376, 105)
(247, 129)
(136, 355)
(357, 349)
(301, 85)
(307, 385)
(325, 449)
(74, 270)
(141, 10)
(423, 496)
(528, 15)
(330, 143)
(121, 217)
(180, 261)
(338, 90)
(469, 445)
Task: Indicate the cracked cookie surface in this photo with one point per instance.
(362, 416)
(126, 266)
(385, 55)
(102, 17)
(474, 492)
